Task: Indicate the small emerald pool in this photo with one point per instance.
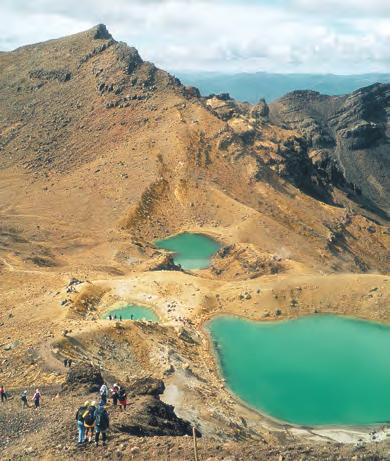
(191, 251)
(316, 370)
(132, 312)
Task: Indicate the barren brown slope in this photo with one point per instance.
(88, 128)
(101, 153)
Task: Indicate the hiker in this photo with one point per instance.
(131, 316)
(103, 394)
(3, 394)
(65, 363)
(114, 316)
(23, 398)
(114, 394)
(69, 363)
(110, 317)
(80, 421)
(120, 318)
(102, 423)
(37, 398)
(122, 399)
(89, 421)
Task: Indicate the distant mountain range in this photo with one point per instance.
(253, 86)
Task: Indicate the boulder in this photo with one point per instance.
(192, 91)
(260, 110)
(149, 416)
(146, 386)
(84, 375)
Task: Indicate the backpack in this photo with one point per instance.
(122, 394)
(80, 414)
(102, 420)
(89, 417)
(103, 391)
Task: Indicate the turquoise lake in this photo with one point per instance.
(191, 251)
(316, 370)
(133, 312)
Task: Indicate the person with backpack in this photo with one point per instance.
(102, 423)
(80, 422)
(103, 394)
(89, 421)
(114, 394)
(37, 399)
(3, 394)
(122, 399)
(23, 398)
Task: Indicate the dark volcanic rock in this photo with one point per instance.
(128, 57)
(192, 91)
(61, 75)
(146, 386)
(165, 263)
(260, 110)
(149, 416)
(84, 375)
(101, 32)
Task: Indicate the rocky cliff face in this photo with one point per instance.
(348, 138)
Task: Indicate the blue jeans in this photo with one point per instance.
(81, 428)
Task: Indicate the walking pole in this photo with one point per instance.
(195, 444)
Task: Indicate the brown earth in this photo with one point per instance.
(102, 153)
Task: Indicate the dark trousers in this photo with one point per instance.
(104, 436)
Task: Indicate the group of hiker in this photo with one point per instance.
(93, 420)
(114, 317)
(36, 398)
(118, 395)
(67, 363)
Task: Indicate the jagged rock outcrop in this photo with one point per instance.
(260, 110)
(146, 386)
(239, 261)
(148, 415)
(348, 138)
(84, 375)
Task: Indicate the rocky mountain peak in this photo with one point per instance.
(100, 31)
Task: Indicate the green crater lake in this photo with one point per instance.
(191, 251)
(316, 370)
(133, 312)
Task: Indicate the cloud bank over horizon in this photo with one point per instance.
(314, 36)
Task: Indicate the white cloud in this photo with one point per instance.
(232, 35)
(349, 8)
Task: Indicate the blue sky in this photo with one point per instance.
(321, 36)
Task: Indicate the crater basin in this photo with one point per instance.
(315, 370)
(191, 251)
(132, 312)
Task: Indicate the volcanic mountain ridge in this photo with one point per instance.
(103, 153)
